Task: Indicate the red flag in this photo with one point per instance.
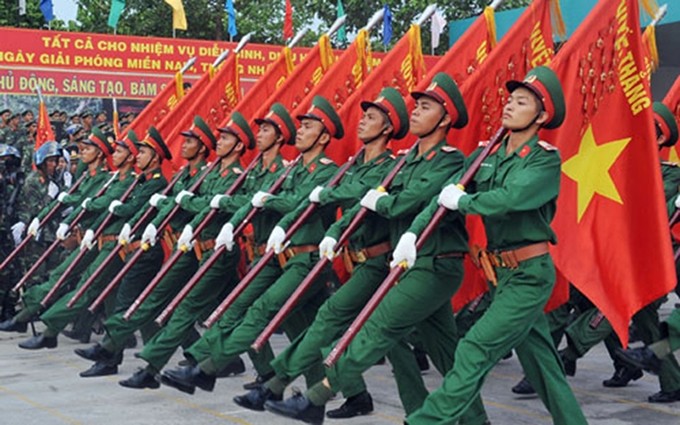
(213, 100)
(529, 43)
(402, 68)
(460, 61)
(339, 83)
(44, 132)
(672, 100)
(160, 106)
(265, 87)
(614, 250)
(288, 21)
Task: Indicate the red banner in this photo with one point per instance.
(74, 64)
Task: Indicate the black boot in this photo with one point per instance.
(297, 407)
(569, 365)
(12, 325)
(360, 404)
(140, 380)
(421, 358)
(187, 378)
(622, 376)
(100, 369)
(259, 380)
(234, 368)
(77, 335)
(39, 341)
(642, 358)
(255, 398)
(96, 353)
(523, 387)
(665, 397)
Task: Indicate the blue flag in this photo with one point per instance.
(231, 14)
(46, 8)
(387, 27)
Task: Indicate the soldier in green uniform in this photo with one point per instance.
(28, 146)
(366, 258)
(95, 152)
(38, 190)
(591, 327)
(409, 304)
(4, 119)
(651, 357)
(515, 192)
(199, 142)
(235, 137)
(59, 315)
(13, 132)
(239, 327)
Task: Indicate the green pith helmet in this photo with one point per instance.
(238, 126)
(445, 91)
(155, 141)
(544, 84)
(322, 111)
(391, 103)
(665, 120)
(201, 131)
(279, 117)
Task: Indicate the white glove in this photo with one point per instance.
(449, 197)
(225, 237)
(405, 252)
(258, 199)
(68, 179)
(276, 239)
(155, 199)
(18, 231)
(370, 199)
(113, 205)
(314, 194)
(149, 235)
(62, 231)
(185, 239)
(52, 190)
(677, 202)
(181, 195)
(61, 196)
(83, 205)
(34, 227)
(215, 201)
(124, 236)
(326, 248)
(88, 240)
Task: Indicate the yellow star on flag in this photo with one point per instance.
(589, 168)
(673, 155)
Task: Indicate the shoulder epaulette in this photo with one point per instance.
(448, 148)
(670, 163)
(401, 152)
(547, 146)
(326, 161)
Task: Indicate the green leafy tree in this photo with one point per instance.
(9, 16)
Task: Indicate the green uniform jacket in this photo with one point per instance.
(88, 188)
(291, 199)
(357, 181)
(516, 194)
(259, 178)
(670, 173)
(217, 182)
(416, 184)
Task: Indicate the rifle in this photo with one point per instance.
(169, 263)
(145, 247)
(397, 271)
(83, 252)
(44, 221)
(304, 286)
(90, 281)
(56, 243)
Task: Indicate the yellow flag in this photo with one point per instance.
(179, 19)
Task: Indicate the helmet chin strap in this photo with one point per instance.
(123, 161)
(144, 168)
(533, 121)
(436, 126)
(376, 137)
(315, 141)
(271, 145)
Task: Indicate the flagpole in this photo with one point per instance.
(297, 37)
(375, 19)
(659, 15)
(336, 25)
(495, 4)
